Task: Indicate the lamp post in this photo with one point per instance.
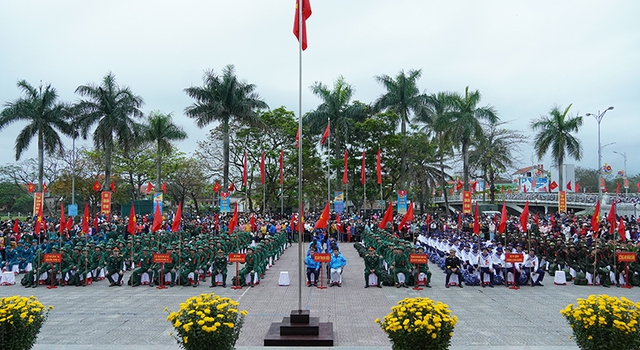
(624, 156)
(598, 118)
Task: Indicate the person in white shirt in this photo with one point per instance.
(485, 263)
(532, 267)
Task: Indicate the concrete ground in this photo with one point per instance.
(98, 317)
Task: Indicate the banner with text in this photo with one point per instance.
(338, 202)
(466, 202)
(37, 202)
(562, 201)
(402, 202)
(105, 202)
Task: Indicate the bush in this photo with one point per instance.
(20, 321)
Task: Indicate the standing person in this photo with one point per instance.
(452, 263)
(313, 268)
(372, 264)
(337, 263)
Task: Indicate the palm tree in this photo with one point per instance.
(336, 106)
(462, 125)
(162, 131)
(402, 97)
(222, 98)
(46, 117)
(112, 108)
(555, 133)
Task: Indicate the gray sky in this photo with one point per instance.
(523, 56)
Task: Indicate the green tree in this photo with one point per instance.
(403, 97)
(555, 133)
(222, 98)
(113, 109)
(462, 125)
(161, 131)
(46, 117)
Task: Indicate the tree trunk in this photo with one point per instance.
(158, 165)
(465, 165)
(108, 149)
(403, 158)
(492, 185)
(443, 185)
(560, 175)
(225, 153)
(40, 160)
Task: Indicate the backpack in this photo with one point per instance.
(580, 280)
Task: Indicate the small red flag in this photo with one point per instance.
(234, 220)
(622, 231)
(112, 186)
(325, 135)
(476, 221)
(503, 218)
(595, 219)
(16, 226)
(569, 186)
(345, 173)
(216, 187)
(39, 220)
(638, 186)
(524, 217)
(293, 223)
(232, 187)
(536, 220)
(524, 188)
(262, 168)
(252, 223)
(298, 138)
(306, 13)
(362, 171)
(149, 188)
(428, 220)
(177, 218)
(408, 216)
(338, 219)
(281, 166)
(577, 187)
(508, 191)
(44, 187)
(379, 169)
(63, 220)
(324, 218)
(611, 218)
(97, 186)
(95, 222)
(70, 223)
(388, 217)
(31, 187)
(617, 188)
(244, 170)
(85, 218)
(458, 184)
(553, 185)
(164, 187)
(131, 226)
(157, 220)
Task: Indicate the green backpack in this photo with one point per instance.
(581, 279)
(567, 275)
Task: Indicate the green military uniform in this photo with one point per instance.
(219, 267)
(145, 261)
(114, 266)
(400, 265)
(190, 264)
(372, 264)
(249, 268)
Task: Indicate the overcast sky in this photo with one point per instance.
(523, 56)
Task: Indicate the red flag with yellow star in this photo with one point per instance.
(131, 226)
(324, 218)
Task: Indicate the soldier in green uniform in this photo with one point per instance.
(219, 267)
(190, 264)
(145, 266)
(249, 268)
(372, 264)
(400, 265)
(115, 266)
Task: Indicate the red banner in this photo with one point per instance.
(52, 258)
(466, 202)
(562, 201)
(513, 258)
(162, 258)
(322, 257)
(626, 256)
(237, 258)
(37, 202)
(105, 202)
(418, 259)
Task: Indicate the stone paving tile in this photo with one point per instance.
(99, 317)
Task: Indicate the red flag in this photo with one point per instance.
(281, 166)
(177, 218)
(216, 187)
(262, 168)
(553, 185)
(388, 217)
(524, 188)
(234, 220)
(617, 188)
(408, 216)
(97, 186)
(502, 189)
(459, 221)
(325, 135)
(95, 222)
(451, 191)
(157, 220)
(611, 218)
(458, 185)
(252, 222)
(232, 187)
(164, 187)
(39, 220)
(428, 221)
(44, 187)
(543, 189)
(622, 231)
(16, 226)
(293, 223)
(149, 188)
(638, 186)
(503, 218)
(379, 171)
(536, 220)
(69, 223)
(345, 173)
(112, 186)
(244, 170)
(577, 187)
(508, 191)
(324, 218)
(338, 219)
(31, 187)
(569, 186)
(298, 138)
(362, 171)
(306, 13)
(476, 221)
(131, 226)
(63, 220)
(85, 218)
(553, 220)
(524, 217)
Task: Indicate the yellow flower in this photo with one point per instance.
(377, 320)
(185, 339)
(434, 335)
(228, 324)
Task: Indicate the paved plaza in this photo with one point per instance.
(98, 317)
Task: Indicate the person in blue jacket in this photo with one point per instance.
(337, 263)
(313, 268)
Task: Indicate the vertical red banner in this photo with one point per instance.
(466, 202)
(37, 202)
(105, 202)
(562, 201)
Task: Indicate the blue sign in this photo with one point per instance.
(157, 201)
(338, 202)
(402, 202)
(225, 202)
(72, 210)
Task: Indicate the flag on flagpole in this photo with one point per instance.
(324, 218)
(362, 170)
(476, 221)
(345, 176)
(132, 224)
(577, 187)
(388, 217)
(553, 185)
(164, 187)
(298, 138)
(85, 218)
(611, 218)
(216, 187)
(408, 216)
(44, 187)
(262, 168)
(306, 13)
(622, 231)
(69, 223)
(112, 186)
(325, 135)
(157, 220)
(177, 218)
(232, 187)
(96, 186)
(524, 217)
(16, 226)
(595, 218)
(503, 218)
(536, 220)
(234, 219)
(618, 188)
(31, 187)
(569, 186)
(379, 170)
(39, 220)
(149, 187)
(281, 166)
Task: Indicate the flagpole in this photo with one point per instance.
(364, 191)
(300, 204)
(329, 162)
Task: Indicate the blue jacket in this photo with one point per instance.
(311, 264)
(337, 261)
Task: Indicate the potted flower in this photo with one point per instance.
(207, 321)
(419, 324)
(20, 321)
(603, 322)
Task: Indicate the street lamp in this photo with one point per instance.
(598, 118)
(624, 155)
